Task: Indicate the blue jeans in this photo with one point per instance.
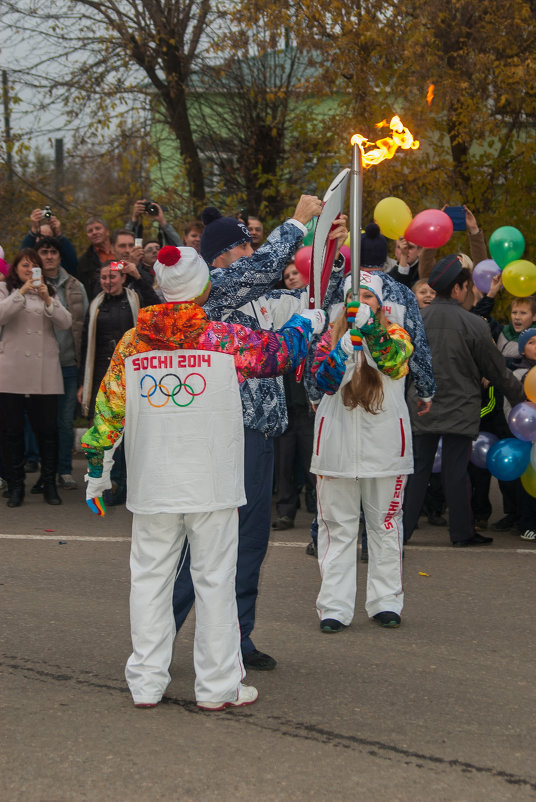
(66, 410)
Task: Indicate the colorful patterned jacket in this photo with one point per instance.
(172, 384)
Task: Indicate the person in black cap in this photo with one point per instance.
(463, 352)
(242, 281)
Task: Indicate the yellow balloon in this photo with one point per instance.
(519, 278)
(529, 385)
(528, 480)
(393, 217)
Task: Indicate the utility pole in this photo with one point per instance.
(59, 171)
(7, 130)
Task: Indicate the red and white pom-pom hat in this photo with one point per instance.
(181, 273)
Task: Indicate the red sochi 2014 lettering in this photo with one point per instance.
(166, 362)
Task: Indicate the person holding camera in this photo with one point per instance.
(137, 276)
(30, 372)
(43, 223)
(143, 206)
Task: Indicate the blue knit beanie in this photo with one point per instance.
(220, 234)
(523, 339)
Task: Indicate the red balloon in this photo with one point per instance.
(345, 250)
(431, 229)
(302, 260)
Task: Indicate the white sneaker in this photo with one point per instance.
(66, 481)
(248, 694)
(528, 534)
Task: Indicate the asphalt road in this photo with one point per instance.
(441, 709)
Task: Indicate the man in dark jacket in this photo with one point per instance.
(463, 353)
(99, 252)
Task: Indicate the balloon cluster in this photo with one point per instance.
(431, 228)
(514, 457)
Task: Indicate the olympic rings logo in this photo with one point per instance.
(173, 389)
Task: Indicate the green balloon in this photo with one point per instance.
(506, 244)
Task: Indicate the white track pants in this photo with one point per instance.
(339, 502)
(157, 541)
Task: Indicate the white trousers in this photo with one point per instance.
(157, 541)
(339, 502)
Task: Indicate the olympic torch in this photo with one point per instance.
(356, 200)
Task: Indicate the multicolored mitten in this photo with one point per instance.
(357, 339)
(352, 308)
(96, 505)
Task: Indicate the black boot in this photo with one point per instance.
(50, 493)
(16, 494)
(38, 487)
(48, 448)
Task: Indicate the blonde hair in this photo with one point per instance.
(365, 388)
(465, 261)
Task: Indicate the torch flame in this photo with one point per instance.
(387, 147)
(430, 94)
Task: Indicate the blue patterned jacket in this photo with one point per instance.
(242, 293)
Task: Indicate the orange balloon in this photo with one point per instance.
(530, 384)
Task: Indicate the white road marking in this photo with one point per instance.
(290, 544)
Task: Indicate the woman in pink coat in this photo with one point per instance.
(30, 372)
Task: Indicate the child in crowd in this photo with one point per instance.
(526, 502)
(522, 315)
(424, 293)
(362, 454)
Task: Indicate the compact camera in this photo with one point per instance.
(151, 208)
(47, 212)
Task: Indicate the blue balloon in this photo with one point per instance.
(480, 448)
(508, 458)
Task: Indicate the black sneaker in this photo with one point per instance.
(285, 522)
(331, 625)
(437, 520)
(476, 540)
(504, 524)
(259, 661)
(388, 619)
(311, 549)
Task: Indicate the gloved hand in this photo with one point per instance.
(357, 314)
(317, 318)
(94, 490)
(351, 341)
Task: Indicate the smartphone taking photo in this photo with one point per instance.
(36, 276)
(457, 215)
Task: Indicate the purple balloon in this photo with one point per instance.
(483, 273)
(480, 448)
(522, 421)
(436, 468)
